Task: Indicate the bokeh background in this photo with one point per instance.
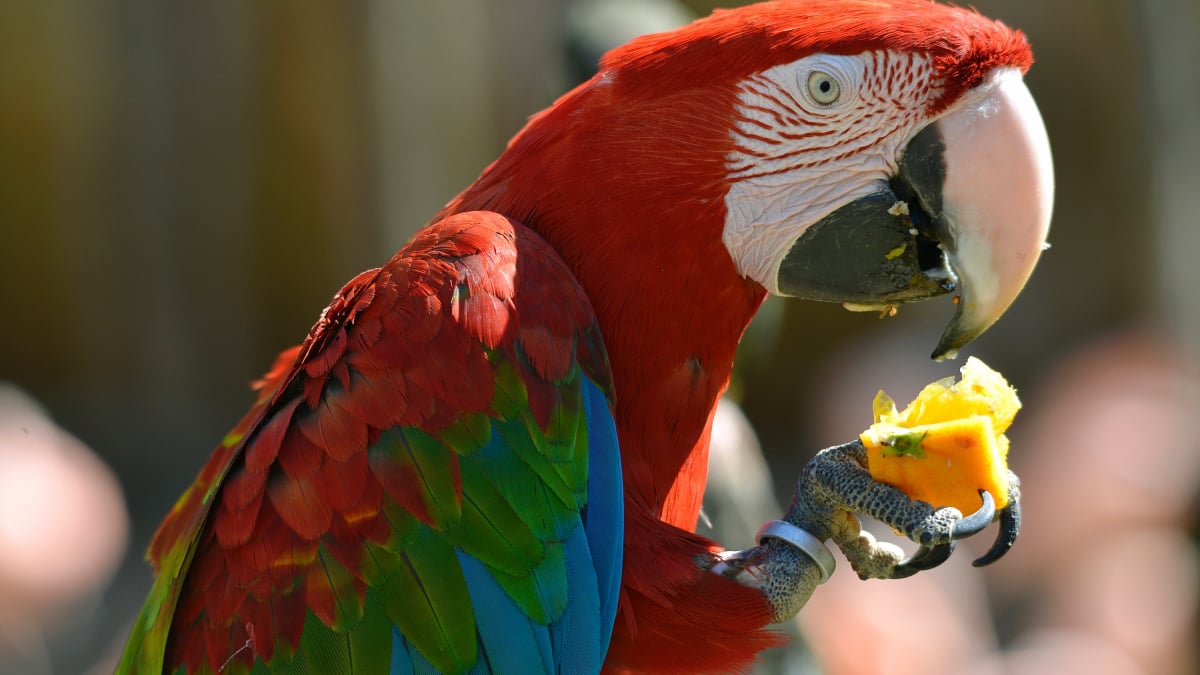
(183, 186)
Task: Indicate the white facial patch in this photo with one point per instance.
(813, 135)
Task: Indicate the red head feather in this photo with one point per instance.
(732, 44)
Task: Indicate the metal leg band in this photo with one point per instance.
(801, 540)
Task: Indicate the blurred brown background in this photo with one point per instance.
(183, 186)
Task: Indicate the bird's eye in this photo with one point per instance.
(823, 87)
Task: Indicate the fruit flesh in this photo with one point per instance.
(949, 443)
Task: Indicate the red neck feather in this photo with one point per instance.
(630, 191)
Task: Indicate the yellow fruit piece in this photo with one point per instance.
(949, 443)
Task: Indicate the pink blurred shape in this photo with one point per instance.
(63, 522)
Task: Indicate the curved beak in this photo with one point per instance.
(996, 201)
(967, 211)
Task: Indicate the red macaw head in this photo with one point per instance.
(865, 152)
(877, 152)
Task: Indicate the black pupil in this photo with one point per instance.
(824, 86)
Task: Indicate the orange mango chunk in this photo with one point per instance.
(949, 443)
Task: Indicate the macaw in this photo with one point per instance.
(488, 455)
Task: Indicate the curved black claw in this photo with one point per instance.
(926, 558)
(1010, 526)
(976, 522)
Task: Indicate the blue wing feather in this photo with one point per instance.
(577, 641)
(576, 635)
(604, 517)
(511, 642)
(407, 660)
(401, 663)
